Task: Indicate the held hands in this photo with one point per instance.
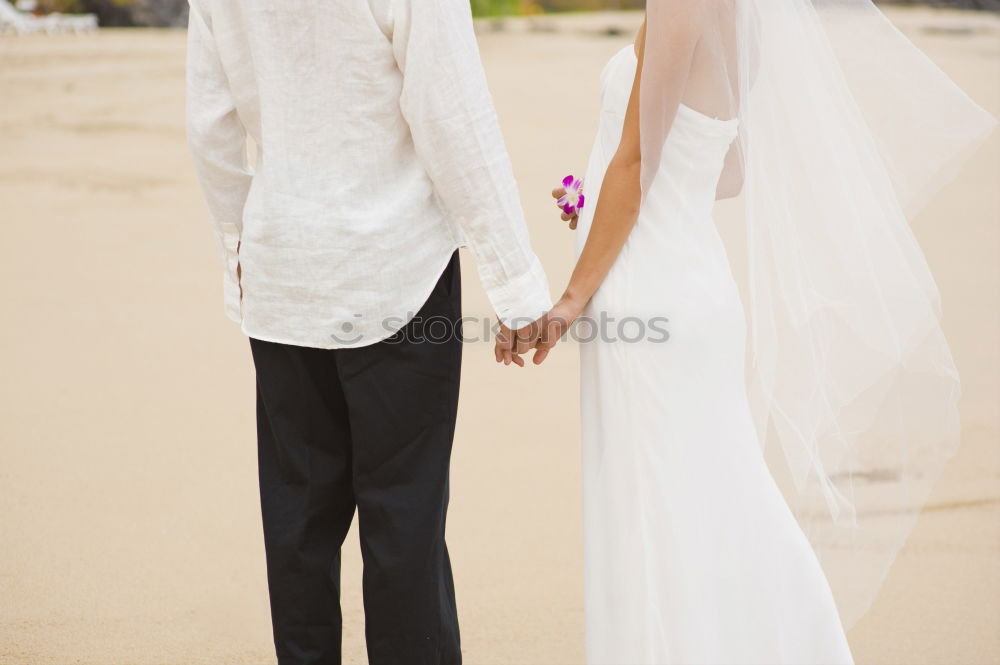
(541, 335)
(511, 344)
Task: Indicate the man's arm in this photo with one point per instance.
(218, 144)
(448, 107)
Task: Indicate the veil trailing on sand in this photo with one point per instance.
(845, 129)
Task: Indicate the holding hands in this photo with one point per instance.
(541, 335)
(511, 344)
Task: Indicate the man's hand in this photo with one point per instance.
(512, 344)
(557, 194)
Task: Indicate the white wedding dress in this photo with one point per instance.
(692, 555)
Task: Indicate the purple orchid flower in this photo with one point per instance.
(572, 201)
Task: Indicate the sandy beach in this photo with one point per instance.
(129, 518)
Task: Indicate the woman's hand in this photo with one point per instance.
(555, 324)
(557, 194)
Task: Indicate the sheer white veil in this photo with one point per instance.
(845, 128)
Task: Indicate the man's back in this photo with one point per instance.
(376, 139)
(319, 90)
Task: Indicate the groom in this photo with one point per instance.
(378, 155)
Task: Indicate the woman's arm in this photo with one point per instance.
(617, 206)
(621, 195)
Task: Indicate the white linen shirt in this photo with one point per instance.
(378, 154)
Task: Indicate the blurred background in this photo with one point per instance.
(129, 517)
(173, 13)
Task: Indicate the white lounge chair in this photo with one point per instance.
(77, 23)
(20, 23)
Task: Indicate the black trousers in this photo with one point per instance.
(370, 428)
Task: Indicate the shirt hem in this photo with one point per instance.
(279, 339)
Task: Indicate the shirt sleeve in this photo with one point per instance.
(218, 145)
(448, 107)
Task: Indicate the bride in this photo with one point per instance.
(819, 126)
